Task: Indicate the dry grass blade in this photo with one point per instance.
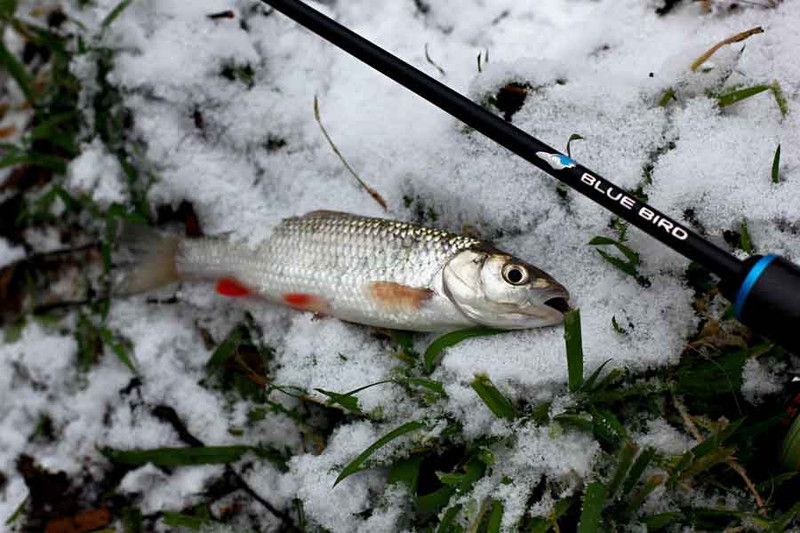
(732, 464)
(739, 37)
(372, 192)
(433, 63)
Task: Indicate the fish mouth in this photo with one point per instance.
(559, 304)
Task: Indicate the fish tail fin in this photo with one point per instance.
(152, 262)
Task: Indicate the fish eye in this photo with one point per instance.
(515, 274)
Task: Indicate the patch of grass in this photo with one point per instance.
(628, 263)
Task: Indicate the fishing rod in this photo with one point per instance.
(765, 290)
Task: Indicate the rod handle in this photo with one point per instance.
(767, 299)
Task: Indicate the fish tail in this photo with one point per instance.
(153, 259)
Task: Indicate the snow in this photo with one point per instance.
(98, 174)
(10, 253)
(759, 380)
(664, 438)
(596, 68)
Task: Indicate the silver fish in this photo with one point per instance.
(370, 271)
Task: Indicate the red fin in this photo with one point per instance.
(396, 296)
(232, 287)
(306, 302)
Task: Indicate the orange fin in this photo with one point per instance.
(396, 296)
(232, 287)
(306, 302)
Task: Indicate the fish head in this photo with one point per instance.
(498, 290)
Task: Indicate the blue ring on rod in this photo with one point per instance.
(749, 281)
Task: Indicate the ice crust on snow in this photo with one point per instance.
(592, 68)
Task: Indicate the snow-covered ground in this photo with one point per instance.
(593, 68)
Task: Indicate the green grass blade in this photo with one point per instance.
(659, 521)
(785, 519)
(18, 511)
(495, 517)
(626, 267)
(732, 97)
(18, 72)
(626, 455)
(474, 471)
(7, 8)
(432, 503)
(668, 95)
(205, 455)
(619, 329)
(594, 500)
(49, 162)
(637, 469)
(639, 499)
(449, 517)
(780, 99)
(131, 520)
(572, 336)
(745, 242)
(589, 383)
(492, 397)
(349, 403)
(433, 354)
(790, 451)
(355, 465)
(406, 471)
(225, 350)
(601, 241)
(118, 348)
(607, 427)
(715, 441)
(432, 385)
(180, 520)
(348, 399)
(116, 12)
(776, 165)
(573, 137)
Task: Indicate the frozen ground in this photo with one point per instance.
(595, 68)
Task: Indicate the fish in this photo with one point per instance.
(372, 271)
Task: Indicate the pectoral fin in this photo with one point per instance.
(399, 297)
